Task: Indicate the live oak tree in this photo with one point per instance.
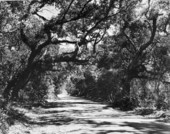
(12, 52)
(139, 49)
(77, 23)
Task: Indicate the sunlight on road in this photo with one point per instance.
(73, 115)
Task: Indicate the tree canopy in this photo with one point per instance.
(125, 36)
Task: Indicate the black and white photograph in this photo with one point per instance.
(84, 66)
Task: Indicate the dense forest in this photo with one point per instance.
(111, 51)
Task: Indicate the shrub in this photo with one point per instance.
(35, 90)
(125, 103)
(3, 119)
(161, 104)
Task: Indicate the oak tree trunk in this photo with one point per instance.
(20, 79)
(17, 83)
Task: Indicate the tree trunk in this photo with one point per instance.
(126, 87)
(17, 83)
(125, 102)
(21, 79)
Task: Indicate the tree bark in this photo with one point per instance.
(126, 87)
(18, 82)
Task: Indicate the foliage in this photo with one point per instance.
(138, 49)
(100, 85)
(76, 23)
(121, 48)
(36, 89)
(3, 123)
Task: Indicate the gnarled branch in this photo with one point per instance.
(24, 38)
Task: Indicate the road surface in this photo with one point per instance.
(72, 115)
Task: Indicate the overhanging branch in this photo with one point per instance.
(67, 10)
(144, 46)
(57, 41)
(48, 41)
(130, 41)
(24, 38)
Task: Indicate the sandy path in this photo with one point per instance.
(71, 115)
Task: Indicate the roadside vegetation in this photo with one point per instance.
(113, 51)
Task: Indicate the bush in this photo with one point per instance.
(3, 123)
(151, 94)
(71, 89)
(108, 86)
(82, 85)
(125, 103)
(144, 111)
(3, 119)
(161, 104)
(36, 89)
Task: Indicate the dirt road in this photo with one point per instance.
(71, 115)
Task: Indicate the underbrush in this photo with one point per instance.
(106, 87)
(4, 124)
(153, 113)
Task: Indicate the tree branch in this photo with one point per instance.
(65, 59)
(24, 17)
(56, 41)
(62, 21)
(143, 47)
(43, 18)
(130, 41)
(24, 38)
(74, 53)
(67, 10)
(81, 11)
(48, 41)
(97, 41)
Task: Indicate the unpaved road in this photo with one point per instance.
(71, 115)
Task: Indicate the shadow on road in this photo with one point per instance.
(77, 116)
(150, 128)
